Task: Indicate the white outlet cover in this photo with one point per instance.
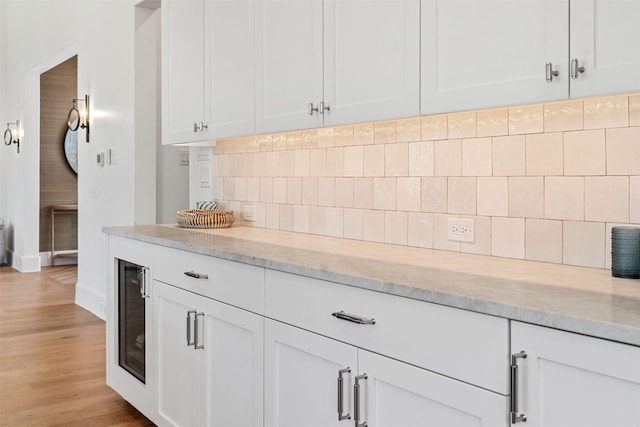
(461, 230)
(250, 213)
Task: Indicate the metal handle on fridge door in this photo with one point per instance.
(143, 277)
(515, 417)
(575, 69)
(356, 401)
(196, 345)
(190, 342)
(353, 318)
(341, 415)
(550, 72)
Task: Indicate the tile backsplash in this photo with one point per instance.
(544, 182)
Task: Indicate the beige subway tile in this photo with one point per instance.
(544, 154)
(583, 244)
(260, 166)
(265, 142)
(309, 138)
(492, 122)
(448, 157)
(564, 198)
(363, 193)
(343, 136)
(634, 201)
(272, 216)
(477, 157)
(408, 194)
(526, 197)
(294, 191)
(353, 161)
(384, 132)
(440, 240)
(563, 116)
(228, 188)
(434, 127)
(301, 219)
(253, 189)
(335, 161)
(461, 195)
(251, 143)
(384, 193)
(420, 229)
(543, 241)
(279, 141)
(606, 198)
(395, 228)
(353, 224)
(373, 160)
(294, 140)
(623, 151)
(509, 155)
(287, 163)
(606, 112)
(634, 109)
(363, 134)
(507, 237)
(526, 119)
(326, 192)
(286, 217)
(219, 147)
(493, 196)
(218, 188)
(344, 192)
(224, 165)
(260, 218)
(317, 220)
(421, 158)
(318, 162)
(273, 163)
(434, 194)
(280, 190)
(334, 222)
(310, 191)
(396, 159)
(301, 163)
(584, 152)
(326, 137)
(373, 225)
(409, 130)
(462, 125)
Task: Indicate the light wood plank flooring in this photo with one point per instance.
(52, 356)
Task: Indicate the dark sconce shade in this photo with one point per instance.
(79, 118)
(12, 136)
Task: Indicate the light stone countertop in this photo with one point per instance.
(583, 300)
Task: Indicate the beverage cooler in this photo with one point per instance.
(132, 294)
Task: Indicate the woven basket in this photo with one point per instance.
(204, 218)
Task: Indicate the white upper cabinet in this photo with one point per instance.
(336, 62)
(605, 38)
(207, 69)
(481, 53)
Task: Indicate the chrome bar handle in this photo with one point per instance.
(550, 72)
(515, 417)
(356, 401)
(322, 108)
(189, 341)
(353, 318)
(575, 69)
(196, 345)
(144, 286)
(341, 415)
(196, 275)
(310, 109)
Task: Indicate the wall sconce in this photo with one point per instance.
(79, 118)
(12, 136)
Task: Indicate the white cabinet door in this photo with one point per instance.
(371, 60)
(183, 70)
(483, 53)
(572, 380)
(288, 64)
(301, 378)
(604, 40)
(398, 394)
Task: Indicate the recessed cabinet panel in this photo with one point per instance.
(482, 53)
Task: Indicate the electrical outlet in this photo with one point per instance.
(461, 230)
(250, 213)
(205, 178)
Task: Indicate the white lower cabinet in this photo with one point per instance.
(312, 380)
(569, 380)
(209, 361)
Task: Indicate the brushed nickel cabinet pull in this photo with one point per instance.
(356, 401)
(196, 344)
(575, 69)
(515, 417)
(341, 415)
(550, 72)
(310, 109)
(190, 342)
(196, 275)
(353, 318)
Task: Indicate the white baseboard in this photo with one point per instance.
(91, 300)
(24, 264)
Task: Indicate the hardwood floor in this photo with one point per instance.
(52, 356)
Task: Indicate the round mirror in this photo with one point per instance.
(71, 150)
(73, 120)
(8, 137)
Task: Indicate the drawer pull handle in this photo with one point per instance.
(196, 275)
(341, 415)
(353, 318)
(356, 401)
(515, 417)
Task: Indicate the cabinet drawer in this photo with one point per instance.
(461, 344)
(231, 282)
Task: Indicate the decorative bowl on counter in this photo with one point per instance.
(204, 218)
